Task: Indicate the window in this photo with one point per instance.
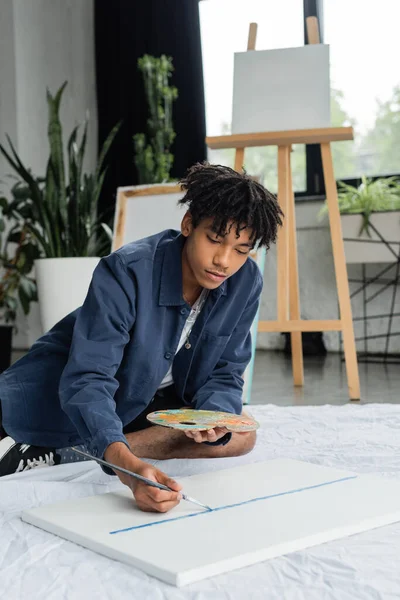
(365, 79)
(224, 31)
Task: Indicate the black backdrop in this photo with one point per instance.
(124, 31)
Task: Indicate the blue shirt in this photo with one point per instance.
(99, 368)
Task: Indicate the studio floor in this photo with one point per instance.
(324, 381)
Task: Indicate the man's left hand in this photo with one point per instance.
(210, 435)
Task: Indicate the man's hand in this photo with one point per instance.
(210, 435)
(147, 498)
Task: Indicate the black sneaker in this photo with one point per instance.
(15, 457)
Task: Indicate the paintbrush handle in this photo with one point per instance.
(150, 482)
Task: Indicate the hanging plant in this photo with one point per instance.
(153, 157)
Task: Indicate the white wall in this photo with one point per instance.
(54, 42)
(8, 115)
(42, 44)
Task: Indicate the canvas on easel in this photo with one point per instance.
(288, 296)
(282, 89)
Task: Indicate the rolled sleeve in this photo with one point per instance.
(101, 332)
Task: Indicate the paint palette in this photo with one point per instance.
(201, 420)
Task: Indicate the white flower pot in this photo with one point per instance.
(360, 249)
(62, 286)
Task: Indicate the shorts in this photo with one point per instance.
(163, 400)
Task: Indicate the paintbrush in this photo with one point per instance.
(149, 482)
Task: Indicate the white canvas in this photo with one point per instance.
(282, 506)
(147, 215)
(280, 90)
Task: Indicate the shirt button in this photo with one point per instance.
(183, 311)
(167, 355)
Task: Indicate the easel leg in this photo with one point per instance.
(294, 292)
(121, 221)
(239, 158)
(282, 246)
(342, 282)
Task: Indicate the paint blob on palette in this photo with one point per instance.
(201, 420)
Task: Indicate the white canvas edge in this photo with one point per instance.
(100, 548)
(252, 558)
(304, 49)
(180, 579)
(146, 186)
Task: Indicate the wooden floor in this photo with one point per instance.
(324, 381)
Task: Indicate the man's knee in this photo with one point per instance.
(248, 442)
(240, 444)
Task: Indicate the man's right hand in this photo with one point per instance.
(148, 498)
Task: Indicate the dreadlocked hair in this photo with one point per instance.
(229, 197)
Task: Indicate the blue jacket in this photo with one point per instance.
(99, 368)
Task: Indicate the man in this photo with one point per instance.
(165, 324)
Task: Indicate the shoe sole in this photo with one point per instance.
(5, 446)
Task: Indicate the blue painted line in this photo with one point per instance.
(198, 514)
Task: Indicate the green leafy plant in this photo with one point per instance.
(153, 158)
(16, 286)
(370, 196)
(60, 210)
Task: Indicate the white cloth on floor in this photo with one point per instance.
(36, 565)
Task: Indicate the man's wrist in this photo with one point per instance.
(118, 453)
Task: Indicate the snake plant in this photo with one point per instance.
(60, 210)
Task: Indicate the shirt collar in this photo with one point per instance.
(171, 275)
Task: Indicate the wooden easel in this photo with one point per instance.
(288, 297)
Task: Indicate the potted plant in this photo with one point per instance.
(59, 211)
(370, 214)
(153, 158)
(17, 287)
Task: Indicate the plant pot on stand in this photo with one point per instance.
(378, 244)
(62, 285)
